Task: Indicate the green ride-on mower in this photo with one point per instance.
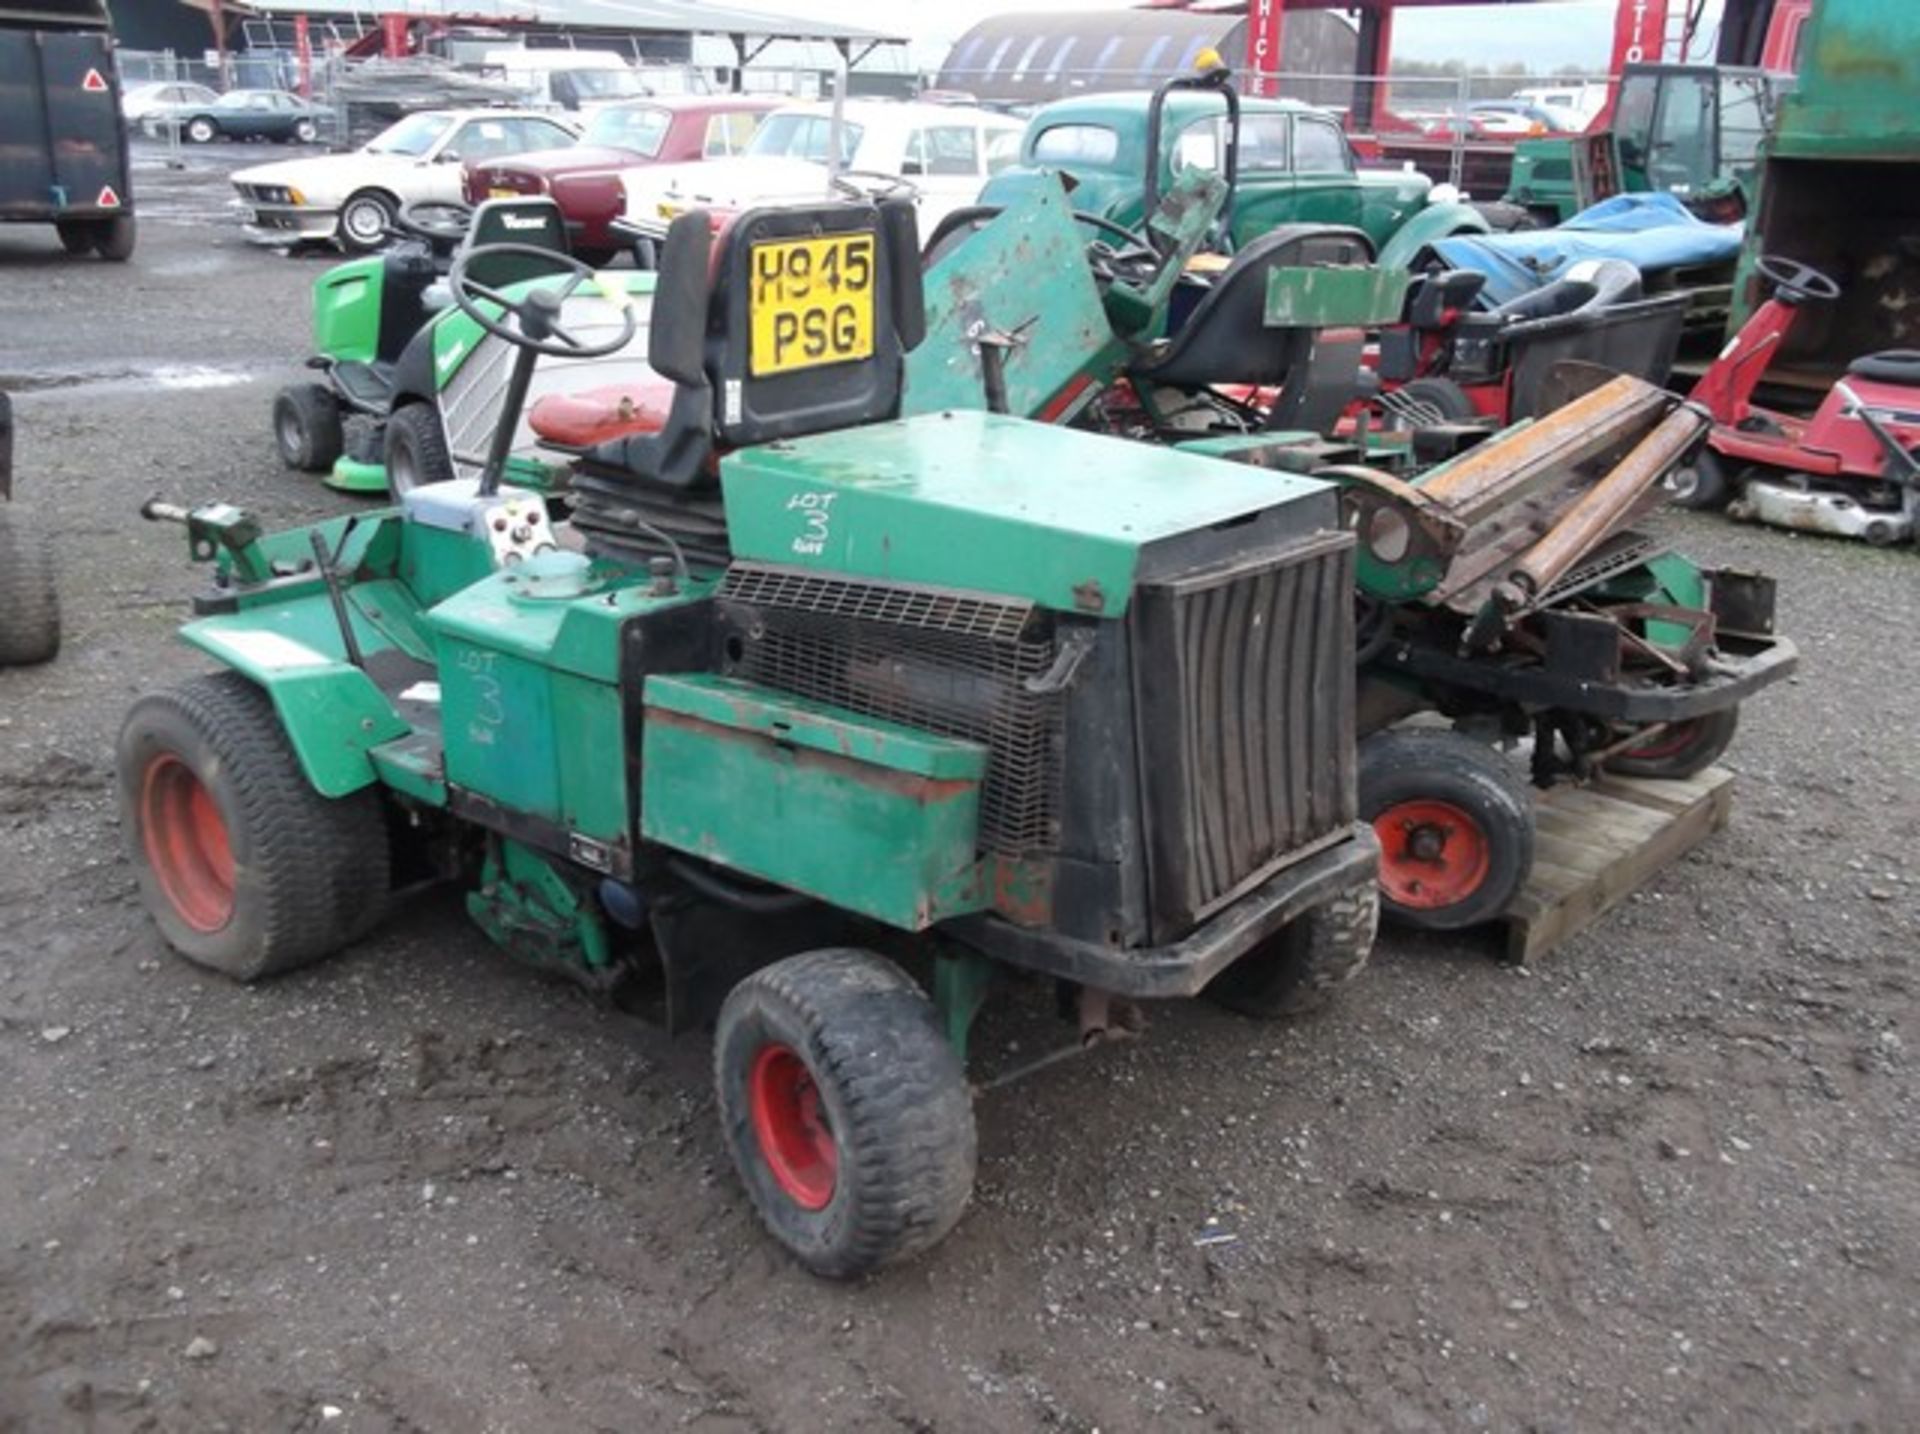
(411, 386)
(29, 602)
(1501, 583)
(959, 694)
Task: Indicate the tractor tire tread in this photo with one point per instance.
(909, 1138)
(320, 864)
(417, 424)
(29, 598)
(319, 414)
(1318, 952)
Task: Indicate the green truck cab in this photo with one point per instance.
(1294, 166)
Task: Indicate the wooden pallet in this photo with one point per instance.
(1596, 845)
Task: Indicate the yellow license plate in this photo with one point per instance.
(498, 193)
(812, 303)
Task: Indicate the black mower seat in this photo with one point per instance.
(365, 385)
(1586, 287)
(1889, 366)
(1226, 339)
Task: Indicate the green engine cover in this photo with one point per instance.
(987, 503)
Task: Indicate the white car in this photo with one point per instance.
(940, 155)
(139, 101)
(354, 198)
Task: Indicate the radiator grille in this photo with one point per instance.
(1245, 678)
(952, 663)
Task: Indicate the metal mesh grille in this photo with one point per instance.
(951, 663)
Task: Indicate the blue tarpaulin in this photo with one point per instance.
(1651, 231)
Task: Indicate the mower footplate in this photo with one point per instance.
(1183, 968)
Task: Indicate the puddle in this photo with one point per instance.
(167, 377)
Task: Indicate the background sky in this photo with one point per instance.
(1545, 36)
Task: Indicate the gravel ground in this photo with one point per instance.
(1670, 1176)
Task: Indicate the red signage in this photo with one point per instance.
(108, 199)
(1264, 22)
(94, 82)
(1639, 33)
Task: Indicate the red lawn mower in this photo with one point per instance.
(1852, 469)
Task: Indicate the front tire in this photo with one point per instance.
(1300, 969)
(1455, 823)
(305, 131)
(1700, 484)
(246, 869)
(846, 1110)
(414, 449)
(366, 221)
(29, 602)
(306, 427)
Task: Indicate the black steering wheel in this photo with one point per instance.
(538, 312)
(1796, 282)
(438, 221)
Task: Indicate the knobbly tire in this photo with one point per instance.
(1299, 969)
(1701, 483)
(1683, 749)
(415, 449)
(246, 869)
(1455, 822)
(29, 602)
(306, 427)
(846, 1110)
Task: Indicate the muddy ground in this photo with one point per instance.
(1669, 1177)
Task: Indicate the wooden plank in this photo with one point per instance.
(1596, 846)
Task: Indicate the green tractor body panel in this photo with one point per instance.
(529, 689)
(1024, 274)
(1838, 187)
(1101, 141)
(333, 714)
(983, 502)
(867, 814)
(1318, 298)
(346, 310)
(1438, 221)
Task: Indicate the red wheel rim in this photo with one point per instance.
(186, 843)
(1432, 854)
(1667, 744)
(790, 1122)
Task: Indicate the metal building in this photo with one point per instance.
(1031, 56)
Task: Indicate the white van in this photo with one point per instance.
(580, 80)
(1574, 105)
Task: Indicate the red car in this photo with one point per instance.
(584, 179)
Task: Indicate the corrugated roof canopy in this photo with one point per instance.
(1042, 54)
(692, 17)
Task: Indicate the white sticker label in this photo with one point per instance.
(733, 401)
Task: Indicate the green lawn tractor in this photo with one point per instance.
(957, 694)
(410, 386)
(1606, 651)
(29, 603)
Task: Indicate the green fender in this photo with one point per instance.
(333, 714)
(1436, 221)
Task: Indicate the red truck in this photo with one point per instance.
(584, 179)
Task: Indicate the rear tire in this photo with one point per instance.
(846, 1110)
(1299, 969)
(415, 449)
(1701, 484)
(1455, 823)
(246, 869)
(305, 131)
(306, 427)
(29, 602)
(1683, 749)
(202, 130)
(116, 239)
(77, 236)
